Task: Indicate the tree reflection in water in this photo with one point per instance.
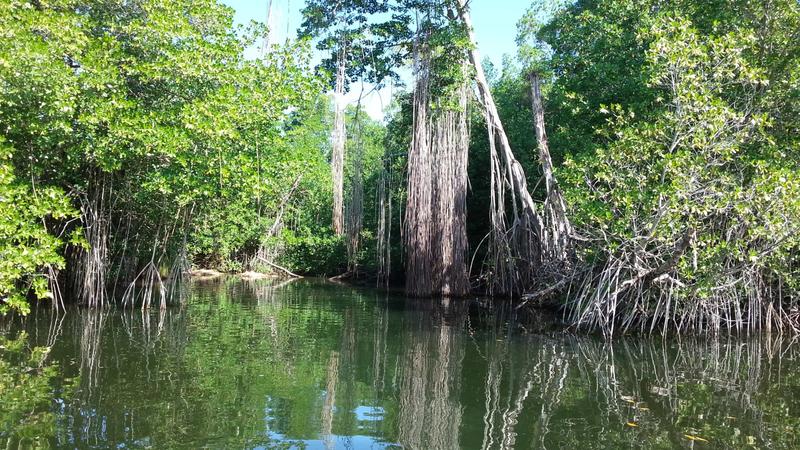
(430, 367)
(272, 364)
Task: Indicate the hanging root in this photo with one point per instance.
(90, 265)
(519, 243)
(638, 290)
(435, 225)
(384, 234)
(55, 289)
(145, 287)
(178, 275)
(355, 207)
(450, 184)
(339, 139)
(418, 218)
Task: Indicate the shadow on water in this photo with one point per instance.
(303, 364)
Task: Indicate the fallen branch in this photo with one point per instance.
(343, 276)
(281, 268)
(544, 293)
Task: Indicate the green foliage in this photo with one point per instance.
(369, 34)
(308, 253)
(235, 225)
(26, 245)
(152, 107)
(534, 54)
(667, 120)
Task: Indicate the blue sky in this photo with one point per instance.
(494, 21)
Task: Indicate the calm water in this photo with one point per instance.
(319, 366)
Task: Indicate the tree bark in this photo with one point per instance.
(493, 118)
(560, 228)
(516, 247)
(338, 140)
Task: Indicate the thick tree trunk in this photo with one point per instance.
(337, 156)
(436, 238)
(419, 215)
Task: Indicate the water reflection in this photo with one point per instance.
(430, 366)
(264, 364)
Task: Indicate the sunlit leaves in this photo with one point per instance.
(26, 245)
(156, 99)
(693, 147)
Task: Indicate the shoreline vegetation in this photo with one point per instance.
(636, 166)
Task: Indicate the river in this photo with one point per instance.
(315, 365)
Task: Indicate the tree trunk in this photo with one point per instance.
(515, 248)
(436, 237)
(338, 140)
(493, 118)
(559, 229)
